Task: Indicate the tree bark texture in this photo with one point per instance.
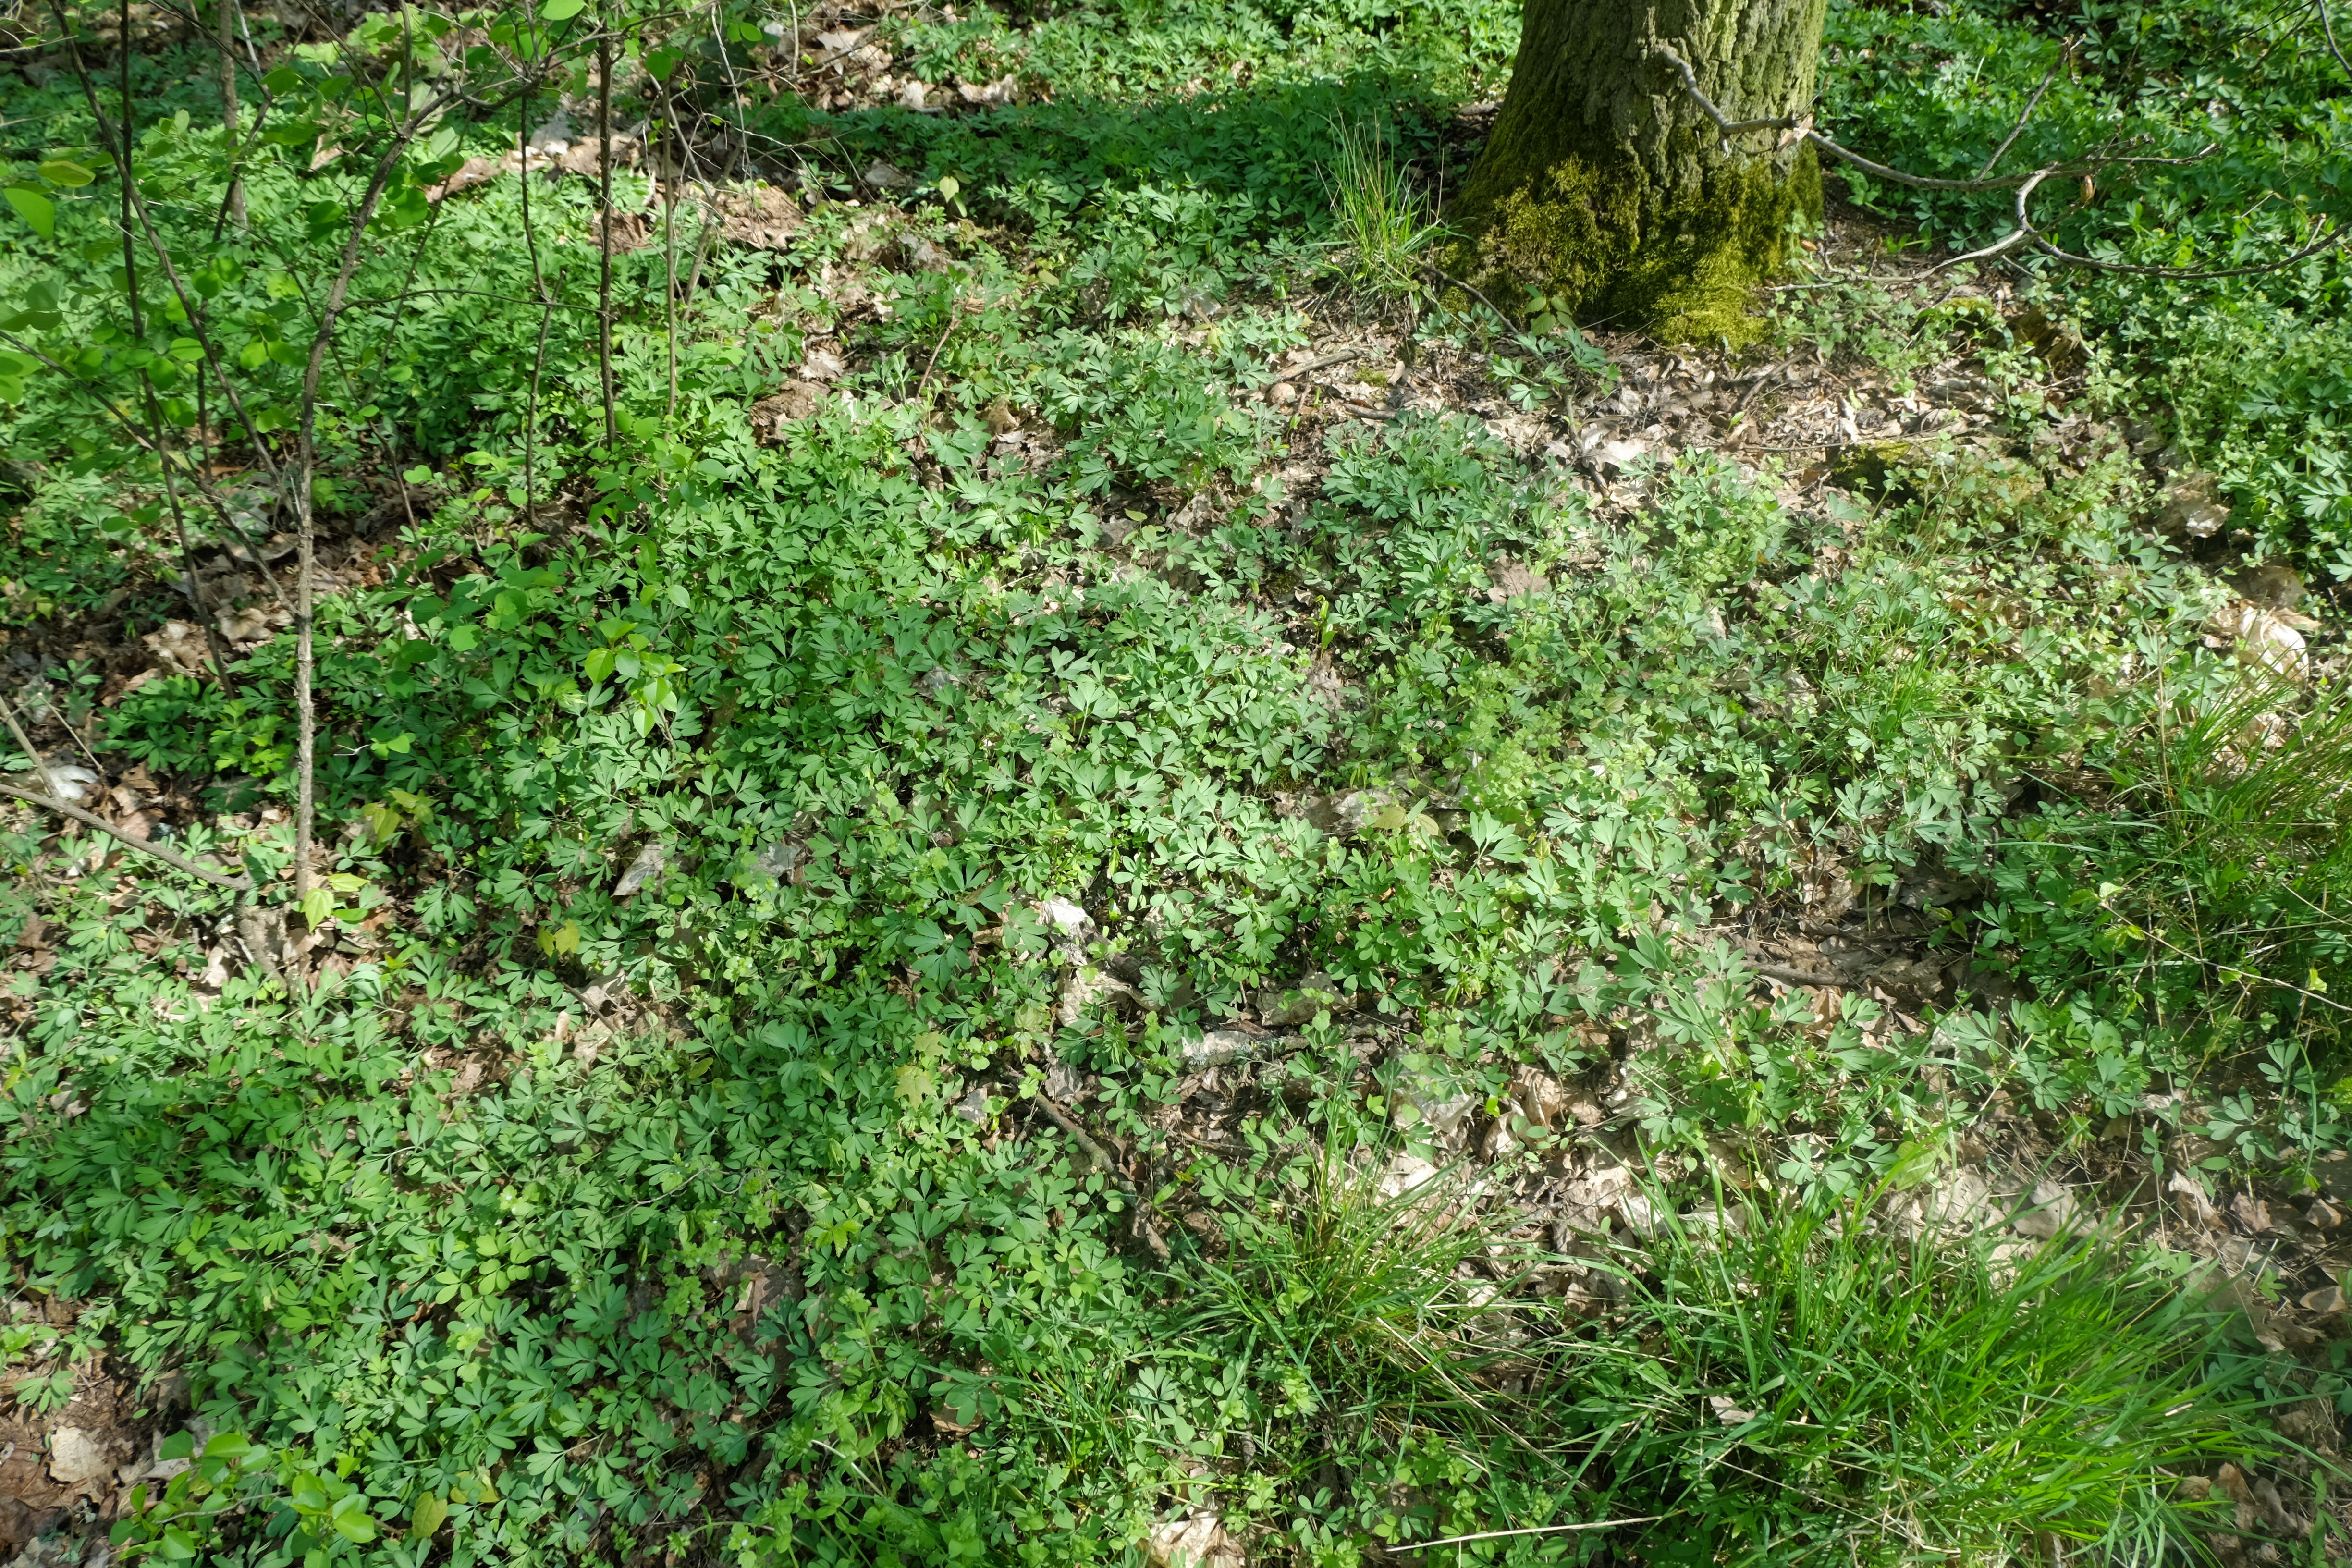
(1606, 191)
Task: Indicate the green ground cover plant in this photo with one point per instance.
(807, 792)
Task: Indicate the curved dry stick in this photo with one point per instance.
(2031, 104)
(2329, 239)
(2328, 26)
(1109, 1167)
(1804, 129)
(2025, 232)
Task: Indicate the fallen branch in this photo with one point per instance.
(144, 845)
(50, 802)
(1794, 130)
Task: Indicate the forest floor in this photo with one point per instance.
(1110, 896)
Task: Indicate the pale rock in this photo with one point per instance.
(1499, 1144)
(1346, 815)
(1514, 580)
(1317, 992)
(884, 176)
(1446, 1116)
(1639, 1214)
(991, 95)
(1958, 1204)
(1541, 1099)
(553, 134)
(2272, 638)
(69, 781)
(1064, 1083)
(1706, 1219)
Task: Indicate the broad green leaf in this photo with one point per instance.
(35, 209)
(560, 10)
(430, 1511)
(351, 1519)
(234, 1446)
(66, 172)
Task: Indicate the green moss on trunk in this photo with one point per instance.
(1604, 188)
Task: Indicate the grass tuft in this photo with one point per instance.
(1800, 1388)
(1380, 223)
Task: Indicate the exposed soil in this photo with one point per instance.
(67, 1472)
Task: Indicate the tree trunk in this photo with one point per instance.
(1607, 191)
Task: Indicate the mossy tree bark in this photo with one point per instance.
(1606, 190)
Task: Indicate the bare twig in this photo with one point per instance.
(539, 287)
(2329, 239)
(605, 218)
(1109, 1167)
(305, 513)
(1403, 1547)
(91, 819)
(955, 314)
(2327, 26)
(1321, 363)
(1787, 976)
(2026, 184)
(146, 846)
(228, 19)
(25, 745)
(2031, 104)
